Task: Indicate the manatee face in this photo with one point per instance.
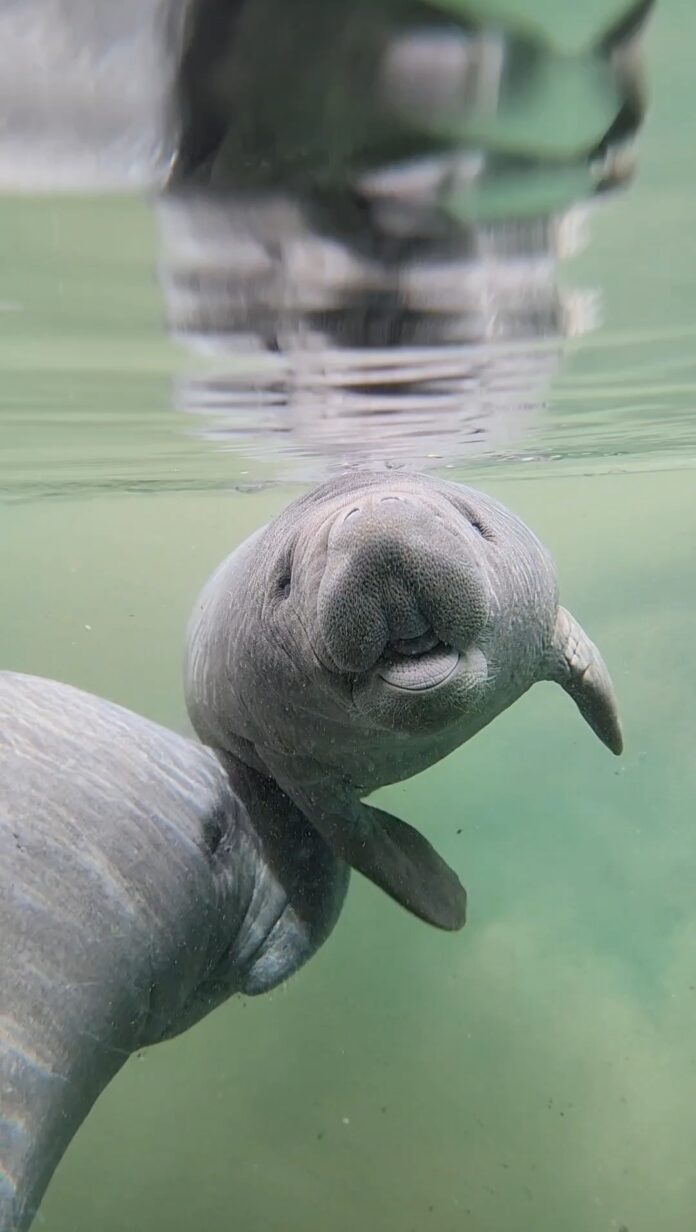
(393, 587)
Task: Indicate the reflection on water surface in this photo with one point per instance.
(360, 209)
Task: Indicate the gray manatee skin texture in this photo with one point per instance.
(143, 880)
(379, 622)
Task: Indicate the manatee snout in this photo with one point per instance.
(403, 581)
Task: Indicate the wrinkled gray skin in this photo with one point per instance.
(142, 881)
(374, 626)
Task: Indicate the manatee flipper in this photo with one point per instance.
(397, 858)
(388, 851)
(575, 663)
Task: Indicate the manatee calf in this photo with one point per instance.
(374, 626)
(142, 881)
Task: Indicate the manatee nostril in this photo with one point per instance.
(350, 513)
(383, 499)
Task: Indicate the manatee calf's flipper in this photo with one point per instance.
(391, 853)
(397, 858)
(575, 663)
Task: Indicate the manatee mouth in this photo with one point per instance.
(418, 663)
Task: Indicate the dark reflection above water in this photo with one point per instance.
(322, 352)
(364, 219)
(361, 204)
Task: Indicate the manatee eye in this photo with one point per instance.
(214, 829)
(475, 521)
(478, 526)
(283, 581)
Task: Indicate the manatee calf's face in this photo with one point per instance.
(376, 624)
(393, 588)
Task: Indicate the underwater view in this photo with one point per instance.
(451, 238)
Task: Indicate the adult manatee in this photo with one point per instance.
(142, 881)
(374, 626)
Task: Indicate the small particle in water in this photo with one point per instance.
(345, 1120)
(88, 628)
(460, 831)
(320, 1136)
(384, 1109)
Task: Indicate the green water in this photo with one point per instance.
(537, 1071)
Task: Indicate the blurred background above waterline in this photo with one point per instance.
(359, 211)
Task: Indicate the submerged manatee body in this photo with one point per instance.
(143, 880)
(375, 625)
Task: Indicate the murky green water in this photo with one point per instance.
(538, 1071)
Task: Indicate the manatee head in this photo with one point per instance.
(376, 624)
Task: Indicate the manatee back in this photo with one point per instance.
(142, 881)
